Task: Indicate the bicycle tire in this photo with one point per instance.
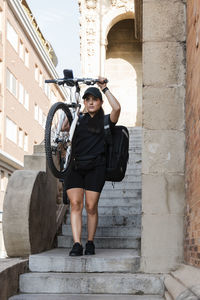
(48, 147)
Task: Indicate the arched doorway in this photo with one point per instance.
(123, 67)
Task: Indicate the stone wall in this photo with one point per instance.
(163, 157)
(192, 220)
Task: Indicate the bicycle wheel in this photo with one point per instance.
(57, 146)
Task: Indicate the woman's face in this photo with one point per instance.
(92, 104)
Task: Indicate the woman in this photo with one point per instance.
(87, 174)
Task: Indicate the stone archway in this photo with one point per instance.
(124, 67)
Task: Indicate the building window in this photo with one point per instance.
(2, 181)
(1, 128)
(11, 130)
(43, 120)
(40, 116)
(41, 80)
(12, 36)
(21, 93)
(53, 98)
(1, 19)
(26, 142)
(36, 112)
(11, 83)
(36, 73)
(26, 60)
(21, 50)
(20, 138)
(47, 90)
(26, 102)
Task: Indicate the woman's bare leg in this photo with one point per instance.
(91, 205)
(75, 196)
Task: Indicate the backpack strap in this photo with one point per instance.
(107, 129)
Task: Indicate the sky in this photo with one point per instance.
(59, 23)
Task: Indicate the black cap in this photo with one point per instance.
(94, 92)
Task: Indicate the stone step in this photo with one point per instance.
(134, 166)
(90, 283)
(83, 297)
(105, 260)
(113, 231)
(118, 211)
(102, 242)
(120, 193)
(132, 171)
(128, 178)
(133, 220)
(119, 202)
(123, 185)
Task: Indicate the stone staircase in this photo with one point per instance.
(113, 273)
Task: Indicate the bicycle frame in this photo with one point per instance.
(62, 137)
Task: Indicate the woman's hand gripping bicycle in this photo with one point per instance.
(61, 124)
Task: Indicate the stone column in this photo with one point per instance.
(163, 195)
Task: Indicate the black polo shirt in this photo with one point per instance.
(88, 144)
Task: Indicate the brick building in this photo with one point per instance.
(192, 221)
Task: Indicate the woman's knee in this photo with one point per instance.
(76, 205)
(91, 209)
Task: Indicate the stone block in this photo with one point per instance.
(163, 64)
(162, 242)
(163, 151)
(164, 108)
(160, 12)
(163, 194)
(90, 283)
(85, 297)
(188, 275)
(29, 218)
(35, 162)
(173, 286)
(105, 260)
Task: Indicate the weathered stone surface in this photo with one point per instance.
(164, 108)
(35, 162)
(84, 297)
(163, 64)
(168, 296)
(10, 269)
(87, 283)
(183, 284)
(188, 275)
(162, 240)
(174, 287)
(103, 242)
(29, 219)
(160, 12)
(163, 151)
(163, 194)
(105, 260)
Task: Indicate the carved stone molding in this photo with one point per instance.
(127, 4)
(91, 4)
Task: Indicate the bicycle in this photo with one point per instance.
(61, 124)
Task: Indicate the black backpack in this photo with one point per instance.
(117, 147)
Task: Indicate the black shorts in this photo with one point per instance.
(90, 180)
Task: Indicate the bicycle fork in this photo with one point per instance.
(70, 137)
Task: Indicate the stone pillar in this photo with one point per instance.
(163, 156)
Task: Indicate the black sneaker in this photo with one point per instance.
(89, 248)
(77, 250)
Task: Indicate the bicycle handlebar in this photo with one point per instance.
(74, 81)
